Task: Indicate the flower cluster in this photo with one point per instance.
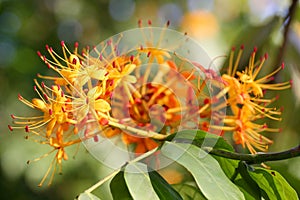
(143, 94)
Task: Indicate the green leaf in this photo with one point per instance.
(247, 183)
(162, 188)
(200, 139)
(275, 186)
(118, 187)
(87, 196)
(247, 190)
(138, 182)
(189, 192)
(207, 172)
(228, 165)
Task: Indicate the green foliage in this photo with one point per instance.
(214, 177)
(274, 185)
(207, 172)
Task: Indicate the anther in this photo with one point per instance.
(62, 43)
(103, 121)
(12, 116)
(10, 128)
(39, 53)
(149, 22)
(139, 23)
(131, 58)
(168, 23)
(255, 49)
(27, 129)
(50, 111)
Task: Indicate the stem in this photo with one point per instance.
(255, 158)
(287, 21)
(115, 172)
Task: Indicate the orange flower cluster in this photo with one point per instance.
(142, 95)
(247, 102)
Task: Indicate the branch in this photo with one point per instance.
(256, 158)
(287, 22)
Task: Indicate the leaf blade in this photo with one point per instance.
(162, 188)
(138, 182)
(208, 174)
(273, 183)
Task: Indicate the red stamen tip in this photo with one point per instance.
(277, 97)
(281, 109)
(282, 65)
(206, 101)
(280, 130)
(255, 49)
(62, 43)
(149, 22)
(46, 97)
(47, 47)
(27, 129)
(39, 53)
(168, 23)
(131, 58)
(20, 97)
(103, 121)
(272, 78)
(10, 128)
(34, 88)
(43, 84)
(12, 116)
(265, 126)
(109, 42)
(76, 44)
(141, 47)
(266, 56)
(50, 112)
(233, 48)
(148, 54)
(291, 82)
(74, 61)
(48, 65)
(185, 33)
(63, 109)
(242, 47)
(140, 23)
(137, 100)
(100, 57)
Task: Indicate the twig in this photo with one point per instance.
(116, 171)
(287, 22)
(256, 158)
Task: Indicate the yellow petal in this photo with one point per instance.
(101, 105)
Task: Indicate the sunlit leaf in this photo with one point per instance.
(162, 188)
(87, 196)
(208, 174)
(118, 187)
(275, 186)
(189, 192)
(138, 182)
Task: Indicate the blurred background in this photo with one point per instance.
(217, 25)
